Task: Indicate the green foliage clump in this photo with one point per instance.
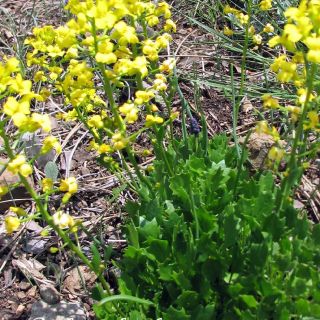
(211, 245)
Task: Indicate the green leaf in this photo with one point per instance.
(316, 233)
(196, 165)
(175, 314)
(303, 307)
(230, 226)
(258, 254)
(179, 185)
(133, 235)
(96, 258)
(148, 229)
(97, 292)
(159, 248)
(249, 300)
(51, 170)
(165, 272)
(124, 297)
(188, 299)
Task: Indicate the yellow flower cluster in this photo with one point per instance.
(303, 26)
(17, 105)
(265, 5)
(69, 186)
(301, 40)
(241, 17)
(118, 42)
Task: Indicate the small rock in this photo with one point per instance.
(49, 294)
(61, 311)
(21, 295)
(20, 309)
(6, 315)
(34, 226)
(24, 285)
(32, 145)
(35, 246)
(32, 292)
(17, 195)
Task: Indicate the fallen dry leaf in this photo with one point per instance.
(73, 282)
(31, 269)
(246, 105)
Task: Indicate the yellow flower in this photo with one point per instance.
(11, 224)
(168, 65)
(227, 9)
(50, 143)
(95, 121)
(69, 185)
(276, 154)
(257, 39)
(18, 85)
(227, 31)
(252, 30)
(159, 83)
(313, 121)
(130, 111)
(41, 121)
(262, 127)
(143, 97)
(152, 20)
(124, 34)
(18, 211)
(12, 107)
(295, 111)
(3, 190)
(313, 43)
(63, 220)
(19, 165)
(268, 28)
(270, 102)
(302, 94)
(163, 41)
(12, 65)
(286, 70)
(151, 120)
(107, 58)
(163, 9)
(39, 76)
(104, 148)
(47, 185)
(170, 26)
(265, 5)
(243, 18)
(119, 141)
(150, 49)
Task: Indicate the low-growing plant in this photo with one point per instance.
(211, 244)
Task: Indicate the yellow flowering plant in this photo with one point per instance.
(296, 69)
(106, 63)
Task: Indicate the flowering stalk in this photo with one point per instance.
(294, 160)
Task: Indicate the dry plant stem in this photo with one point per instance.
(48, 218)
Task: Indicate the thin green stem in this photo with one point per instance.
(138, 172)
(287, 182)
(49, 219)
